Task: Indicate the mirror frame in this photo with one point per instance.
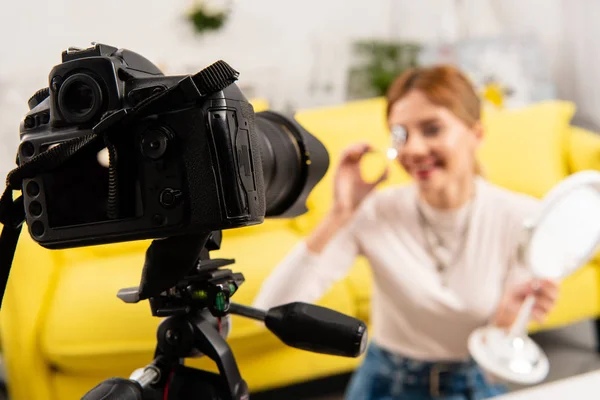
(588, 178)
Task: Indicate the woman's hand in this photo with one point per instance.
(350, 189)
(545, 292)
(349, 192)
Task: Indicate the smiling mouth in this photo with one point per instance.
(425, 171)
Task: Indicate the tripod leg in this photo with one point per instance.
(211, 343)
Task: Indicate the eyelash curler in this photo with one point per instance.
(398, 138)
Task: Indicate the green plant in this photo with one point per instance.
(205, 20)
(379, 63)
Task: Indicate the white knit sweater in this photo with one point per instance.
(413, 313)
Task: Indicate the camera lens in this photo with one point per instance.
(289, 175)
(79, 98)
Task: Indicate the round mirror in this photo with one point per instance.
(566, 233)
(559, 239)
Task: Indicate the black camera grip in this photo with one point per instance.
(317, 329)
(115, 389)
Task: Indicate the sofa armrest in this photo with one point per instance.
(32, 280)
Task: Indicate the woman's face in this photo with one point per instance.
(438, 148)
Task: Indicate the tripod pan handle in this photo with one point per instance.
(115, 389)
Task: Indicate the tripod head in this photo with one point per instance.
(197, 309)
(204, 285)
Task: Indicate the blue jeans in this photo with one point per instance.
(387, 376)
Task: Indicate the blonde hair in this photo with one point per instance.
(444, 85)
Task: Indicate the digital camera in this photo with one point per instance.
(154, 156)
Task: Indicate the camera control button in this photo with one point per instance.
(154, 143)
(170, 197)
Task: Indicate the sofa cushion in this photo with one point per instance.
(582, 150)
(524, 149)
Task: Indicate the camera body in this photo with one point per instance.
(193, 167)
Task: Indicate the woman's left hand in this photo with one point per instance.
(545, 292)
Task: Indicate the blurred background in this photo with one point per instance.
(313, 54)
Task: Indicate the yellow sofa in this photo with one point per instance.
(63, 329)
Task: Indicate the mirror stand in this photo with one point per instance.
(510, 354)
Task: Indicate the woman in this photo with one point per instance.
(442, 249)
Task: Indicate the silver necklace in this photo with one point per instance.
(433, 248)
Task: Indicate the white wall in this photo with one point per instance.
(280, 47)
(578, 65)
(293, 53)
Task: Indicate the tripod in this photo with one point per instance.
(197, 323)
